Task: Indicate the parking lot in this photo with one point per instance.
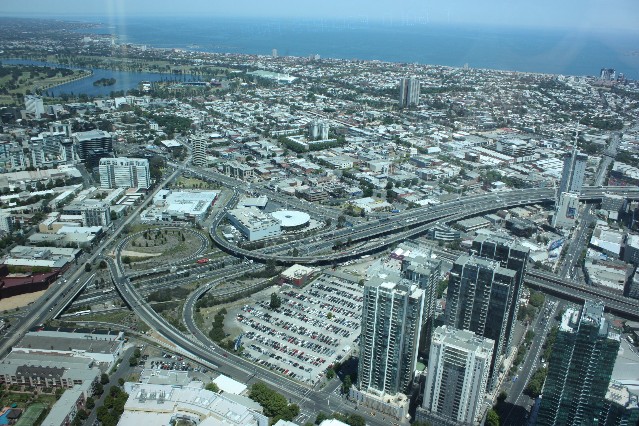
(314, 327)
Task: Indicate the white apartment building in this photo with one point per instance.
(124, 172)
(458, 369)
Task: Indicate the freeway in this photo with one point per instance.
(403, 225)
(569, 290)
(61, 293)
(201, 349)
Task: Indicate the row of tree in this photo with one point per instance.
(275, 405)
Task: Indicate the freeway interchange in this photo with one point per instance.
(385, 231)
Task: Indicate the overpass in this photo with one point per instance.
(409, 224)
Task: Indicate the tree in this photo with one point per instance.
(213, 387)
(346, 384)
(133, 361)
(275, 405)
(321, 416)
(90, 404)
(356, 420)
(103, 264)
(330, 373)
(492, 419)
(537, 299)
(276, 301)
(82, 415)
(99, 389)
(536, 383)
(87, 267)
(104, 378)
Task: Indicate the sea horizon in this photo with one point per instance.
(543, 50)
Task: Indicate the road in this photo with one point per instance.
(124, 371)
(401, 226)
(516, 398)
(579, 242)
(60, 294)
(201, 349)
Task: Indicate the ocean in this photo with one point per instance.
(567, 52)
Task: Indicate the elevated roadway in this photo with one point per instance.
(408, 224)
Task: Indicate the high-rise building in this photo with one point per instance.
(621, 407)
(58, 127)
(458, 370)
(33, 105)
(274, 53)
(480, 300)
(425, 271)
(318, 130)
(6, 221)
(391, 323)
(199, 144)
(124, 173)
(323, 130)
(408, 92)
(93, 145)
(95, 213)
(510, 255)
(567, 210)
(580, 368)
(573, 173)
(67, 151)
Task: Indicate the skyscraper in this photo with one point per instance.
(425, 271)
(572, 175)
(580, 368)
(93, 145)
(391, 322)
(480, 300)
(510, 255)
(408, 92)
(458, 371)
(198, 144)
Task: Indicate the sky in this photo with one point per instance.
(579, 14)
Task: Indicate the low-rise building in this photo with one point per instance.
(47, 257)
(66, 408)
(473, 224)
(297, 275)
(254, 224)
(369, 204)
(192, 206)
(103, 348)
(631, 249)
(154, 404)
(612, 275)
(49, 370)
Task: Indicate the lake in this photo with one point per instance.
(124, 80)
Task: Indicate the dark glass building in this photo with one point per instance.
(579, 369)
(480, 300)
